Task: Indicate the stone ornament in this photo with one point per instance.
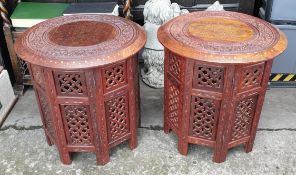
(215, 7)
(115, 11)
(156, 12)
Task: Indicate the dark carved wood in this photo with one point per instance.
(217, 66)
(243, 6)
(4, 13)
(19, 68)
(86, 86)
(128, 8)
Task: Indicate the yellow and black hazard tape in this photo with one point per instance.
(282, 78)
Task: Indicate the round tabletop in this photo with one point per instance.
(222, 37)
(80, 41)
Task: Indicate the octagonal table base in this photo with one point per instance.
(88, 110)
(212, 104)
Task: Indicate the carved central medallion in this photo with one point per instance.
(82, 33)
(79, 41)
(223, 33)
(220, 30)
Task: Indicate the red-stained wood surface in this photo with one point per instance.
(217, 66)
(85, 74)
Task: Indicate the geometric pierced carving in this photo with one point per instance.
(252, 76)
(208, 77)
(203, 118)
(173, 104)
(244, 113)
(115, 76)
(46, 114)
(77, 124)
(24, 68)
(70, 83)
(117, 117)
(175, 65)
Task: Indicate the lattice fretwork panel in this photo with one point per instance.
(115, 76)
(24, 68)
(77, 124)
(204, 117)
(173, 104)
(70, 83)
(244, 113)
(175, 66)
(117, 117)
(38, 75)
(208, 77)
(252, 76)
(48, 121)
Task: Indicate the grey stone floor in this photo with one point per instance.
(25, 151)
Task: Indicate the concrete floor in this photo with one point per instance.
(25, 151)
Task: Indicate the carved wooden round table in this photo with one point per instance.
(84, 70)
(217, 66)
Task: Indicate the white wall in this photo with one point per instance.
(7, 96)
